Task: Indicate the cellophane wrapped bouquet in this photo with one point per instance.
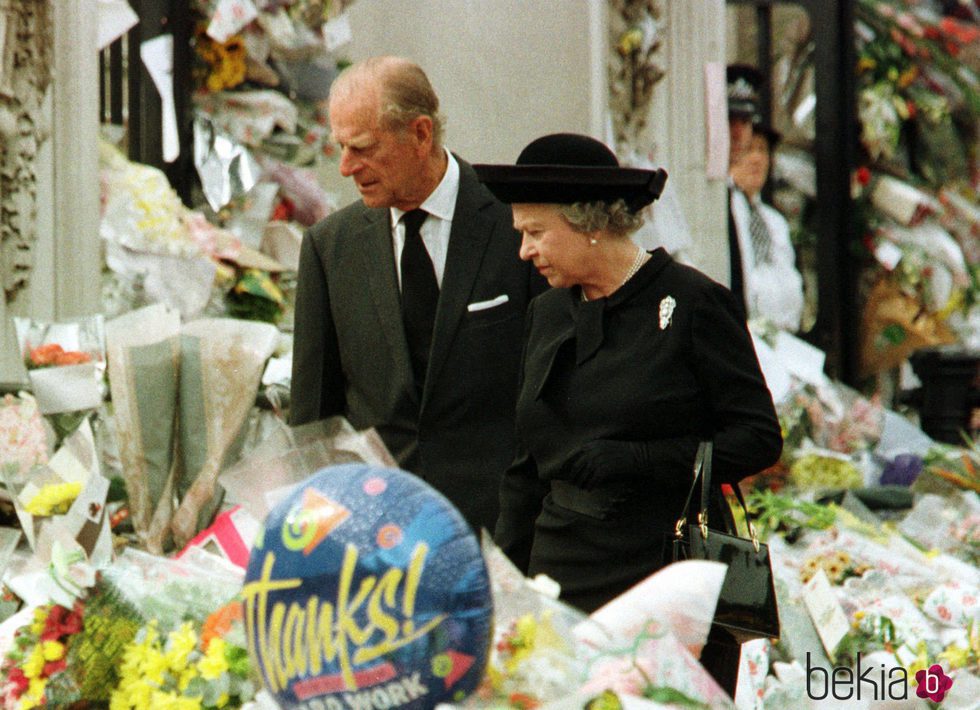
(640, 650)
(66, 363)
(144, 632)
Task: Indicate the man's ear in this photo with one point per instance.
(420, 128)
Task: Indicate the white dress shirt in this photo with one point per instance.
(773, 289)
(441, 205)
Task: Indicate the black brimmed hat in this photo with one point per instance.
(563, 168)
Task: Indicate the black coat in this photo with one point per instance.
(350, 355)
(615, 369)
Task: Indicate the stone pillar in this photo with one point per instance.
(694, 35)
(75, 151)
(61, 252)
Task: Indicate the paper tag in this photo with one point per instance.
(888, 255)
(230, 17)
(825, 612)
(337, 32)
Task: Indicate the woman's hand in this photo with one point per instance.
(600, 462)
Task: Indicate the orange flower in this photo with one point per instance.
(220, 622)
(72, 357)
(45, 354)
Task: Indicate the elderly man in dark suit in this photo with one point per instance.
(410, 302)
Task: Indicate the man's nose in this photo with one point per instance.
(348, 163)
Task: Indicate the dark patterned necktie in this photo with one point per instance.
(761, 240)
(420, 294)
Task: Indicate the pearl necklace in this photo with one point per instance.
(638, 261)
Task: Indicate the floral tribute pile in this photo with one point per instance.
(114, 646)
(873, 531)
(914, 185)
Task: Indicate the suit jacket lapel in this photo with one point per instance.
(378, 262)
(467, 242)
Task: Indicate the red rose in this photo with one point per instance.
(863, 175)
(20, 681)
(52, 667)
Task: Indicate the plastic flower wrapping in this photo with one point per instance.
(143, 631)
(640, 647)
(181, 395)
(63, 499)
(65, 364)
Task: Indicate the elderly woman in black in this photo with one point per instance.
(630, 361)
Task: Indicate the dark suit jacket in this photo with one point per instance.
(350, 355)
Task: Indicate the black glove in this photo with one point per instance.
(601, 461)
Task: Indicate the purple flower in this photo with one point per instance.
(901, 470)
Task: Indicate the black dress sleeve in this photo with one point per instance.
(521, 493)
(747, 436)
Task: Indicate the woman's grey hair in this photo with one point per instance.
(405, 92)
(612, 217)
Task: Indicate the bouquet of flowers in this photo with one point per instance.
(143, 629)
(192, 666)
(66, 366)
(22, 432)
(64, 499)
(39, 654)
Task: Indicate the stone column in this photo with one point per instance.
(694, 35)
(52, 261)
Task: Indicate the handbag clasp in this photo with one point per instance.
(679, 528)
(752, 534)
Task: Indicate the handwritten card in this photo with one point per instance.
(825, 612)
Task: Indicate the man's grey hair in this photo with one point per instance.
(405, 92)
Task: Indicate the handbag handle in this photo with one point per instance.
(702, 468)
(702, 463)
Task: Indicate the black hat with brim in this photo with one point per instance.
(563, 168)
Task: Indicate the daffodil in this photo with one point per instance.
(214, 663)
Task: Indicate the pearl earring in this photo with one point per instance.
(593, 241)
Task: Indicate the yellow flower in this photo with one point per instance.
(213, 664)
(161, 700)
(131, 693)
(955, 656)
(53, 650)
(34, 694)
(180, 643)
(54, 498)
(34, 663)
(40, 617)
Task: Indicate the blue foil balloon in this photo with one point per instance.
(367, 589)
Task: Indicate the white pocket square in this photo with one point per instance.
(492, 303)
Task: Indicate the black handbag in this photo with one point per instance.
(747, 606)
